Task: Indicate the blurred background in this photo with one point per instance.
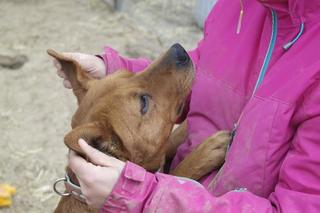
(35, 109)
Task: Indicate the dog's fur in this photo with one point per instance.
(130, 116)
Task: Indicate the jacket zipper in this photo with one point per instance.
(267, 58)
(261, 76)
(264, 67)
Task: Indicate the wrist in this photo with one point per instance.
(133, 184)
(102, 66)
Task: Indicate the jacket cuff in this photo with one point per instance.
(111, 59)
(134, 183)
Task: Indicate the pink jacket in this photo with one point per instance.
(273, 164)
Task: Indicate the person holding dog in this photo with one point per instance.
(258, 73)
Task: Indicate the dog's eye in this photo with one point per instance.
(144, 103)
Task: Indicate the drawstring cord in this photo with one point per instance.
(240, 17)
(289, 44)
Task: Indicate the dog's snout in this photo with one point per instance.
(181, 55)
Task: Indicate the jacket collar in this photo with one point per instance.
(298, 10)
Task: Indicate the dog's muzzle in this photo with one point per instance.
(71, 189)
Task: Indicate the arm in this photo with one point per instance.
(114, 61)
(297, 190)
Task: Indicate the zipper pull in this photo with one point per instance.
(233, 133)
(240, 17)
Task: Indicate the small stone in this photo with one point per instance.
(13, 62)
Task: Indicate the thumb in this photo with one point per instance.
(97, 157)
(81, 58)
(72, 55)
(91, 64)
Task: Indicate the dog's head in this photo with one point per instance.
(130, 116)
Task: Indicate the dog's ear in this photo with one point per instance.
(77, 76)
(89, 132)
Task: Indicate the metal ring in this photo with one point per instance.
(55, 189)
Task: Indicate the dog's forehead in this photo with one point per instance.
(107, 95)
(106, 87)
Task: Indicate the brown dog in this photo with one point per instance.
(130, 116)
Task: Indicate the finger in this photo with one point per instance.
(56, 63)
(61, 74)
(70, 55)
(67, 84)
(95, 156)
(77, 164)
(78, 57)
(74, 55)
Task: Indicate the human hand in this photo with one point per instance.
(93, 65)
(98, 178)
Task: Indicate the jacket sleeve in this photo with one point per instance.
(114, 61)
(297, 189)
(140, 191)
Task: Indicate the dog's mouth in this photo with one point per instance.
(102, 147)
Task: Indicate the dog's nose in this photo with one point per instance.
(181, 54)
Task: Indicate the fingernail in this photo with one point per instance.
(67, 84)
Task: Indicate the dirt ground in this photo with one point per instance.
(35, 109)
